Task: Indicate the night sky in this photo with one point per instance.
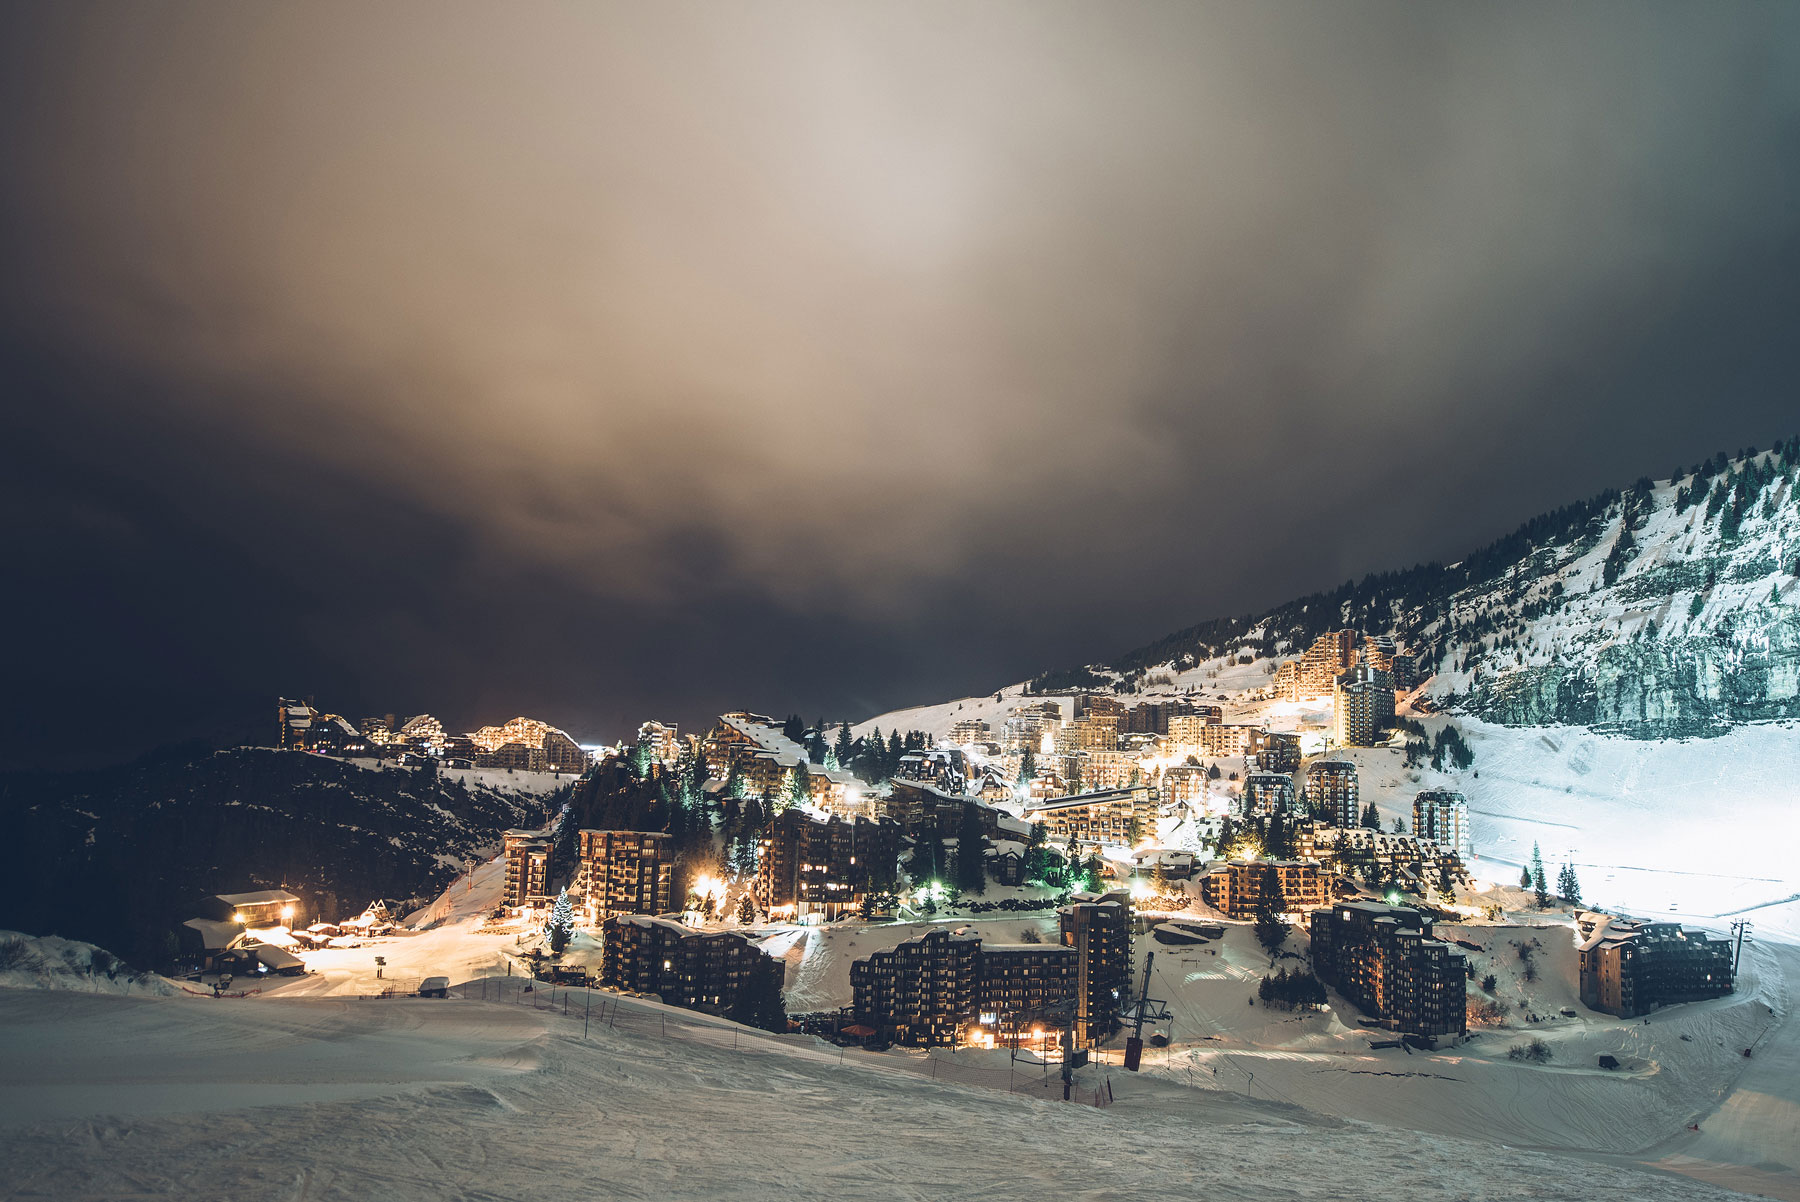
(601, 363)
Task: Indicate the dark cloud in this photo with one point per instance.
(608, 361)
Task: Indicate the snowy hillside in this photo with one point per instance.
(422, 1099)
(47, 962)
(1579, 657)
(122, 856)
(1670, 609)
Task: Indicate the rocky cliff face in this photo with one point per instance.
(1655, 688)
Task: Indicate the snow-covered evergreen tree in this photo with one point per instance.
(561, 927)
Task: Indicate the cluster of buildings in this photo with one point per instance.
(1385, 960)
(1094, 741)
(525, 744)
(759, 753)
(949, 987)
(1360, 673)
(1629, 968)
(243, 934)
(619, 872)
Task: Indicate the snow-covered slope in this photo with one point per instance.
(324, 1099)
(1580, 657)
(47, 962)
(122, 856)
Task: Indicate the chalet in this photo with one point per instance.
(261, 909)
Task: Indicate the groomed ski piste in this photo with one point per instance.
(313, 1088)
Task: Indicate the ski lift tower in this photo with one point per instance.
(1147, 1009)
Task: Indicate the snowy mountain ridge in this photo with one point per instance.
(1670, 609)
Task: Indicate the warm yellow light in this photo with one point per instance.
(287, 911)
(237, 916)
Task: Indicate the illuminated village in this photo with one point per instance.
(1015, 881)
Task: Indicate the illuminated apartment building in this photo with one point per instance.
(1187, 731)
(1331, 792)
(1385, 961)
(923, 991)
(1184, 784)
(1442, 815)
(1106, 770)
(1227, 738)
(1098, 927)
(971, 732)
(1240, 887)
(807, 866)
(1111, 816)
(1331, 655)
(1029, 724)
(662, 740)
(1362, 707)
(625, 872)
(1272, 751)
(1267, 794)
(1286, 685)
(527, 870)
(698, 970)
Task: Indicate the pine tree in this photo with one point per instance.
(1568, 885)
(561, 927)
(1271, 932)
(1037, 858)
(746, 912)
(1371, 817)
(759, 1003)
(971, 852)
(927, 863)
(798, 791)
(1539, 883)
(1027, 767)
(1525, 877)
(846, 746)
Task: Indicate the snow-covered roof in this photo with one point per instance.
(647, 920)
(1000, 847)
(275, 958)
(1075, 800)
(216, 936)
(262, 897)
(785, 752)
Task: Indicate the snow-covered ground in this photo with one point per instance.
(501, 780)
(311, 1088)
(51, 962)
(322, 1098)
